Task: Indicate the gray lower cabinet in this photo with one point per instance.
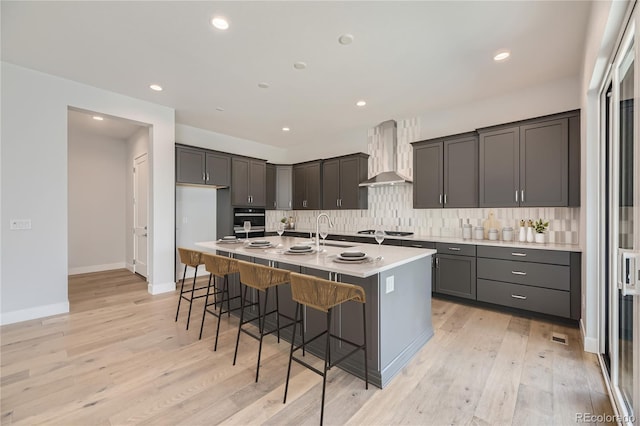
(270, 187)
(341, 177)
(248, 186)
(307, 181)
(543, 281)
(284, 187)
(455, 270)
(202, 167)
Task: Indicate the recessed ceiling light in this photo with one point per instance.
(156, 87)
(263, 85)
(97, 118)
(300, 65)
(501, 55)
(220, 23)
(345, 39)
(285, 129)
(361, 103)
(219, 109)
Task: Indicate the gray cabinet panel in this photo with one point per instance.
(574, 161)
(331, 184)
(546, 301)
(419, 244)
(307, 190)
(218, 169)
(544, 164)
(534, 274)
(499, 167)
(525, 255)
(299, 187)
(456, 275)
(190, 166)
(427, 175)
(284, 187)
(270, 187)
(457, 249)
(248, 182)
(257, 180)
(461, 172)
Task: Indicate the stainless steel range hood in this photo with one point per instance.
(386, 152)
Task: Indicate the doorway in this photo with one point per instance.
(140, 214)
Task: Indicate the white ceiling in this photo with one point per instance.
(407, 58)
(112, 127)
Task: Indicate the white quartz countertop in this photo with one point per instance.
(392, 256)
(457, 240)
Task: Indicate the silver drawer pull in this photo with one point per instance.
(517, 296)
(518, 273)
(519, 254)
(454, 248)
(416, 245)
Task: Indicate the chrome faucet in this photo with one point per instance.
(318, 228)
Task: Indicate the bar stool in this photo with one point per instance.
(323, 295)
(191, 258)
(218, 267)
(261, 278)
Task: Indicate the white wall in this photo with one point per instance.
(96, 218)
(137, 145)
(34, 186)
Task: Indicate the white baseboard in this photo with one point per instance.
(34, 313)
(129, 266)
(590, 343)
(96, 268)
(160, 288)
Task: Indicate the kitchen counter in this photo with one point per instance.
(457, 240)
(398, 299)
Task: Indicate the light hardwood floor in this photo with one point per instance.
(119, 358)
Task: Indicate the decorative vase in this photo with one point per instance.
(529, 234)
(540, 238)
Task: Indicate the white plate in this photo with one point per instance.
(366, 259)
(236, 241)
(299, 252)
(352, 258)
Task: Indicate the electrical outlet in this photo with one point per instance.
(390, 284)
(19, 224)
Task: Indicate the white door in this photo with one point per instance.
(140, 214)
(624, 229)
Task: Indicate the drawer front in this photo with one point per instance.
(335, 237)
(456, 249)
(525, 255)
(419, 244)
(543, 300)
(536, 274)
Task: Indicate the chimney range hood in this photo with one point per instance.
(385, 151)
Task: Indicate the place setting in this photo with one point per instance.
(300, 249)
(354, 257)
(230, 239)
(259, 244)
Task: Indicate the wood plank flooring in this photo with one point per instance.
(119, 358)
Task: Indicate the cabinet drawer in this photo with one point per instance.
(525, 255)
(419, 244)
(543, 300)
(534, 274)
(340, 238)
(456, 249)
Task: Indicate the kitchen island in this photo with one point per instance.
(397, 287)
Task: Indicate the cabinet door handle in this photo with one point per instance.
(203, 177)
(437, 262)
(440, 202)
(519, 254)
(337, 202)
(207, 176)
(455, 248)
(289, 203)
(340, 202)
(518, 273)
(522, 196)
(516, 195)
(445, 198)
(517, 296)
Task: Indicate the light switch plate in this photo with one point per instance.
(390, 284)
(19, 224)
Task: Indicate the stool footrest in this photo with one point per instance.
(309, 366)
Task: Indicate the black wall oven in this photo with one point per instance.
(255, 216)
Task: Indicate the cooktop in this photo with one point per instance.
(390, 233)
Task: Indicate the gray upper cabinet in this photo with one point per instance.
(271, 187)
(307, 179)
(199, 166)
(544, 164)
(284, 187)
(534, 164)
(499, 168)
(340, 182)
(248, 182)
(446, 172)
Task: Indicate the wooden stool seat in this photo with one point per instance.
(190, 258)
(324, 295)
(218, 267)
(261, 278)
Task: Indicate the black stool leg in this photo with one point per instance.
(206, 303)
(293, 340)
(235, 355)
(193, 289)
(364, 334)
(302, 328)
(277, 314)
(327, 354)
(225, 286)
(184, 275)
(261, 321)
